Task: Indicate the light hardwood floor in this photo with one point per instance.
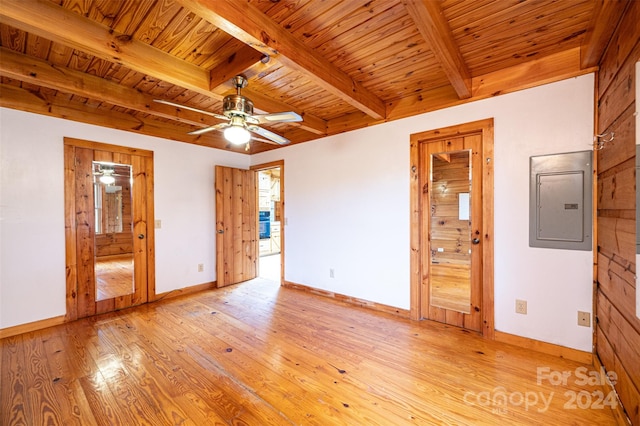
(259, 354)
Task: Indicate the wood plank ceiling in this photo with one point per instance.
(340, 64)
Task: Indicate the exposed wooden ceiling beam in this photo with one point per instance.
(24, 100)
(42, 73)
(427, 16)
(55, 23)
(604, 22)
(548, 69)
(241, 60)
(248, 24)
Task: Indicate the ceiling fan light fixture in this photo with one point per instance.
(107, 179)
(237, 135)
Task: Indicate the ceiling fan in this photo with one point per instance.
(237, 111)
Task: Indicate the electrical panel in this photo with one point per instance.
(560, 201)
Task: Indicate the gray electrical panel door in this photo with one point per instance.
(560, 201)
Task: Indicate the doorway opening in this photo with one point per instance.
(270, 220)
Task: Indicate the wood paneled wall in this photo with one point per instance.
(617, 327)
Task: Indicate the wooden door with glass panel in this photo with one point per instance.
(452, 231)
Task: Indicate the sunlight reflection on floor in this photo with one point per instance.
(270, 267)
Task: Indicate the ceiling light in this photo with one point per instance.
(236, 133)
(107, 179)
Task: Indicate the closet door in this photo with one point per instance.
(109, 232)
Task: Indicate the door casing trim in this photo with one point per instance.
(484, 127)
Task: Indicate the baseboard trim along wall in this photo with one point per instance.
(403, 313)
(184, 291)
(544, 347)
(524, 342)
(50, 322)
(31, 326)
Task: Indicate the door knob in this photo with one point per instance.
(475, 241)
(141, 236)
(220, 231)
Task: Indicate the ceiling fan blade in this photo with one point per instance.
(255, 138)
(276, 138)
(212, 114)
(209, 129)
(278, 117)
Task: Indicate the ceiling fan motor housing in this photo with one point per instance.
(237, 105)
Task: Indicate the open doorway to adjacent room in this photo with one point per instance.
(270, 220)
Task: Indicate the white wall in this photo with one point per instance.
(347, 208)
(32, 247)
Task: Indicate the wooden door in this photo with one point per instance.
(452, 224)
(134, 241)
(236, 225)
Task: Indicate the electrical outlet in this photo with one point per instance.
(584, 319)
(521, 307)
(200, 267)
(331, 273)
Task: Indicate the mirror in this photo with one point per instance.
(637, 184)
(450, 231)
(113, 229)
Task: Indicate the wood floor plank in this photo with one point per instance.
(74, 406)
(278, 385)
(228, 404)
(13, 388)
(135, 381)
(43, 407)
(307, 370)
(260, 354)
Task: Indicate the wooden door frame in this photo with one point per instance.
(266, 166)
(484, 127)
(70, 144)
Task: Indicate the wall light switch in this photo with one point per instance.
(158, 224)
